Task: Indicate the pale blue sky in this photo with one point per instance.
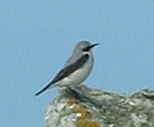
(36, 38)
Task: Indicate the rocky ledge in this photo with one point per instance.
(85, 107)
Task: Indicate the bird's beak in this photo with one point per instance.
(93, 45)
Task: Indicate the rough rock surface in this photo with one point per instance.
(85, 107)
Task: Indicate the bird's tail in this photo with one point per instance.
(42, 90)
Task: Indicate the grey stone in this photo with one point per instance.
(85, 107)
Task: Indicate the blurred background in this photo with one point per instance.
(37, 37)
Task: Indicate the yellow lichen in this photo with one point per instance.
(83, 122)
(72, 100)
(82, 110)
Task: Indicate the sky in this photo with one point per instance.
(37, 37)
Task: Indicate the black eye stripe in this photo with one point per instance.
(86, 49)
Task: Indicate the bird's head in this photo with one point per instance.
(84, 47)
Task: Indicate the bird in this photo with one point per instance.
(76, 69)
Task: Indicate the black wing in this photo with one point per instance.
(71, 68)
(66, 71)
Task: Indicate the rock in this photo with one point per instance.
(85, 107)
